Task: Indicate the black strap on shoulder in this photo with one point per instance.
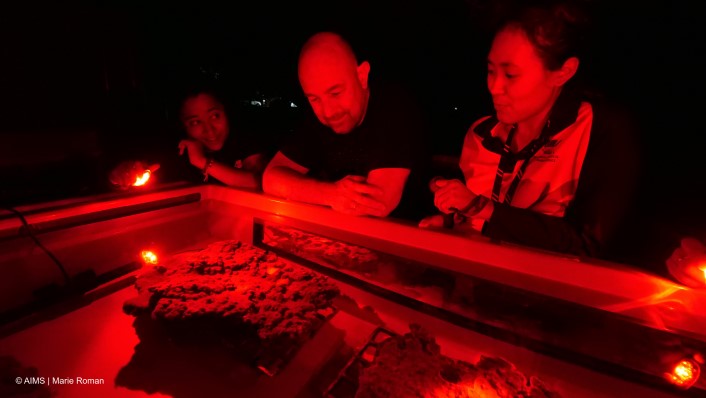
(562, 115)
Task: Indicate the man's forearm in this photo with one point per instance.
(287, 183)
(391, 181)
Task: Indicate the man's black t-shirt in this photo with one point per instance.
(392, 135)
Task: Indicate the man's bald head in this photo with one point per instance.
(334, 83)
(327, 48)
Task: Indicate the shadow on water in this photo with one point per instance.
(185, 370)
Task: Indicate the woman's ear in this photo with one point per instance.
(566, 72)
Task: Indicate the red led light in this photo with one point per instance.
(684, 374)
(149, 257)
(142, 180)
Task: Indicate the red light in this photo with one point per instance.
(142, 180)
(148, 257)
(699, 358)
(684, 374)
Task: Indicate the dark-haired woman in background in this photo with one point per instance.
(549, 169)
(217, 146)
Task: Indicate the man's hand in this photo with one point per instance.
(688, 263)
(124, 175)
(353, 196)
(194, 150)
(377, 194)
(451, 195)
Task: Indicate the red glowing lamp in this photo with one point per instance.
(684, 374)
(141, 179)
(149, 257)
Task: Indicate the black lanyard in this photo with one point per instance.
(508, 160)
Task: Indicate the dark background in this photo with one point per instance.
(83, 86)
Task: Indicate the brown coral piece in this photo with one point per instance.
(235, 287)
(315, 247)
(412, 366)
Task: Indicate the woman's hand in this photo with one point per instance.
(687, 264)
(194, 150)
(435, 221)
(451, 195)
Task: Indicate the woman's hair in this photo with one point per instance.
(194, 89)
(190, 88)
(555, 28)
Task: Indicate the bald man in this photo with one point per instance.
(357, 153)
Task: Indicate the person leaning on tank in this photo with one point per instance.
(550, 168)
(217, 147)
(360, 150)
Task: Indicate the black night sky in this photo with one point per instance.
(80, 84)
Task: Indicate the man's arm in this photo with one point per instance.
(287, 179)
(391, 182)
(350, 195)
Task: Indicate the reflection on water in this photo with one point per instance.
(631, 335)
